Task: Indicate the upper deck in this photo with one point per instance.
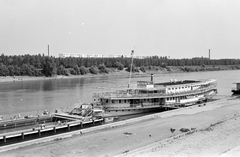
(149, 89)
(177, 82)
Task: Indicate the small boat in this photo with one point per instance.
(236, 90)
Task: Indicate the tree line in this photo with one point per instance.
(40, 65)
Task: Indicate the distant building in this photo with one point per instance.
(76, 55)
(64, 55)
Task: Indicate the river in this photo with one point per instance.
(36, 96)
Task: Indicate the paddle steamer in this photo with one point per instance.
(149, 96)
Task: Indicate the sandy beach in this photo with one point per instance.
(33, 78)
(215, 131)
(56, 77)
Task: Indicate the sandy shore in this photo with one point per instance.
(33, 78)
(121, 73)
(216, 131)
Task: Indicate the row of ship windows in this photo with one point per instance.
(125, 101)
(177, 88)
(173, 98)
(122, 110)
(189, 86)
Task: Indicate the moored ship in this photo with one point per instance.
(149, 96)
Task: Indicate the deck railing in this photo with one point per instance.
(134, 94)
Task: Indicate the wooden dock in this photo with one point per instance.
(37, 127)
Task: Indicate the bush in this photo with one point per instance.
(163, 65)
(168, 69)
(83, 70)
(61, 70)
(136, 69)
(129, 67)
(76, 69)
(3, 70)
(72, 71)
(142, 69)
(119, 66)
(102, 68)
(94, 70)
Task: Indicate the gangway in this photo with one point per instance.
(67, 116)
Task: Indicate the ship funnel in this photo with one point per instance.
(151, 77)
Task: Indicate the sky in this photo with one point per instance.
(175, 28)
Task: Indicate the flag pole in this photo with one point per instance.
(130, 69)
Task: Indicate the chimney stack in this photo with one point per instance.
(48, 50)
(151, 77)
(209, 55)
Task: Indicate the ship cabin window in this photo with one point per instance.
(113, 101)
(172, 88)
(107, 101)
(125, 101)
(156, 100)
(120, 101)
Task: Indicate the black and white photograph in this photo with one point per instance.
(119, 78)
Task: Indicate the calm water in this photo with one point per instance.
(29, 96)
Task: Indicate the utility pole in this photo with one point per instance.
(129, 81)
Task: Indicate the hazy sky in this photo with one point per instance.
(175, 28)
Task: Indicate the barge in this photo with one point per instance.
(48, 124)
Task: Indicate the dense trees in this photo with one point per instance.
(40, 65)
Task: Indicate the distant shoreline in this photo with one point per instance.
(154, 70)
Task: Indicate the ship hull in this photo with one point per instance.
(132, 111)
(118, 111)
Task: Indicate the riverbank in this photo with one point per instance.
(56, 77)
(215, 130)
(124, 73)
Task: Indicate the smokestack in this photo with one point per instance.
(48, 50)
(151, 77)
(209, 55)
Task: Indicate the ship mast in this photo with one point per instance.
(130, 69)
